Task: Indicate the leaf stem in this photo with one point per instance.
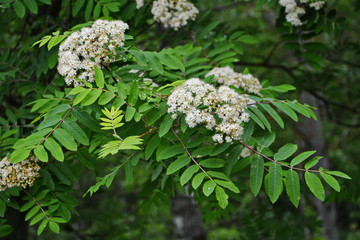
(282, 164)
(190, 155)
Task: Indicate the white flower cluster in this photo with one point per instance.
(227, 76)
(89, 47)
(22, 174)
(220, 109)
(139, 3)
(174, 13)
(294, 11)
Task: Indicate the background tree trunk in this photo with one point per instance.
(187, 220)
(312, 136)
(16, 219)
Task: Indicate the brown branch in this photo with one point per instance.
(282, 164)
(189, 154)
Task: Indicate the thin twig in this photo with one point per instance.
(37, 203)
(190, 155)
(272, 160)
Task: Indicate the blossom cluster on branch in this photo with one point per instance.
(295, 9)
(228, 77)
(174, 13)
(139, 3)
(21, 174)
(89, 47)
(221, 109)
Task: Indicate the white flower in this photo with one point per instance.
(174, 13)
(22, 174)
(139, 3)
(89, 47)
(295, 11)
(228, 77)
(222, 110)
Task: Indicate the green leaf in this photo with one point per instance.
(47, 178)
(27, 205)
(232, 158)
(213, 163)
(315, 185)
(178, 164)
(42, 226)
(331, 181)
(28, 143)
(247, 39)
(140, 58)
(220, 49)
(256, 119)
(106, 98)
(288, 111)
(59, 109)
(266, 140)
(222, 197)
(99, 77)
(188, 173)
(154, 62)
(219, 175)
(227, 184)
(32, 212)
(79, 135)
(261, 117)
(50, 121)
(76, 90)
(208, 187)
(256, 174)
(19, 155)
(88, 9)
(37, 218)
(55, 41)
(77, 6)
(170, 152)
(300, 109)
(41, 153)
(282, 88)
(197, 180)
(275, 182)
(129, 172)
(301, 157)
(129, 113)
(54, 227)
(156, 172)
(19, 9)
(97, 10)
(54, 148)
(3, 208)
(165, 125)
(65, 138)
(285, 152)
(134, 93)
(312, 162)
(81, 96)
(273, 114)
(32, 6)
(171, 61)
(131, 142)
(86, 119)
(153, 143)
(91, 97)
(339, 174)
(5, 230)
(292, 185)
